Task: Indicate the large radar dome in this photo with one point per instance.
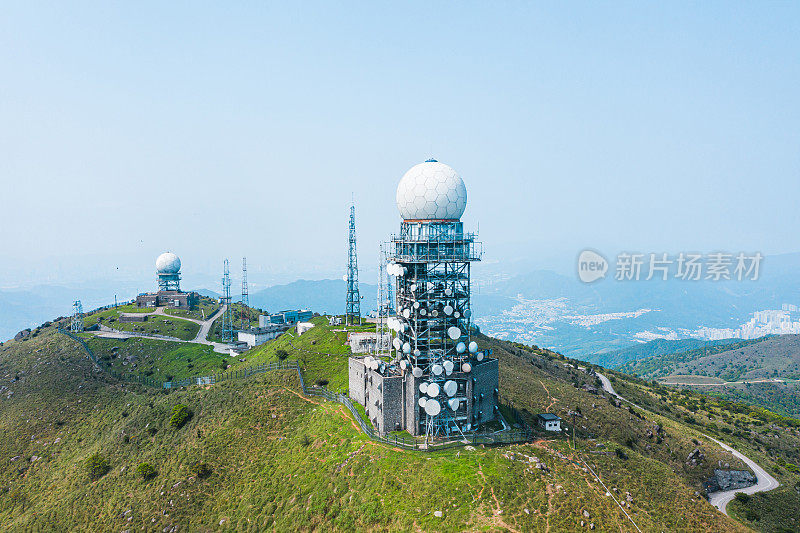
(431, 191)
(168, 263)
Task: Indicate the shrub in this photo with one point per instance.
(201, 469)
(180, 415)
(305, 441)
(752, 515)
(146, 471)
(621, 454)
(97, 467)
(282, 354)
(322, 382)
(742, 497)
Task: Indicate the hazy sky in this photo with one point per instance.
(225, 129)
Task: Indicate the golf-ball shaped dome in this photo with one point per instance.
(431, 191)
(168, 263)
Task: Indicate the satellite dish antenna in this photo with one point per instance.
(344, 278)
(416, 305)
(473, 347)
(466, 367)
(422, 402)
(416, 372)
(448, 310)
(403, 364)
(450, 388)
(437, 370)
(423, 312)
(416, 352)
(454, 403)
(467, 313)
(423, 388)
(479, 357)
(406, 348)
(434, 313)
(433, 390)
(413, 287)
(448, 291)
(448, 367)
(461, 347)
(456, 314)
(432, 407)
(454, 333)
(406, 313)
(396, 343)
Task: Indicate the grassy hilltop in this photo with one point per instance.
(257, 454)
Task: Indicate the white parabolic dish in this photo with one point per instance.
(432, 407)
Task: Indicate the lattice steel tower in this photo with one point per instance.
(245, 315)
(353, 307)
(430, 259)
(385, 310)
(227, 317)
(76, 324)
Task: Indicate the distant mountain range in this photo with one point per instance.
(326, 296)
(604, 322)
(588, 321)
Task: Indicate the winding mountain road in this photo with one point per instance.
(720, 500)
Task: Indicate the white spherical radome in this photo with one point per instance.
(431, 191)
(168, 263)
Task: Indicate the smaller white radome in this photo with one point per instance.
(168, 263)
(431, 191)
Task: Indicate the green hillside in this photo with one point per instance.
(616, 358)
(257, 454)
(763, 372)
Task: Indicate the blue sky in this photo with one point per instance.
(219, 130)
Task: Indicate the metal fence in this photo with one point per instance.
(524, 434)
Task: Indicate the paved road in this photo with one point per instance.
(200, 338)
(764, 481)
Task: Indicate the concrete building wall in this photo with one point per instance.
(485, 381)
(170, 299)
(391, 401)
(356, 371)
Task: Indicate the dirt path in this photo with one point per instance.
(553, 400)
(496, 510)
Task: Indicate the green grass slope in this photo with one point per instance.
(160, 360)
(770, 439)
(256, 454)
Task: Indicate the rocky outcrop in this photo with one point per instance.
(729, 480)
